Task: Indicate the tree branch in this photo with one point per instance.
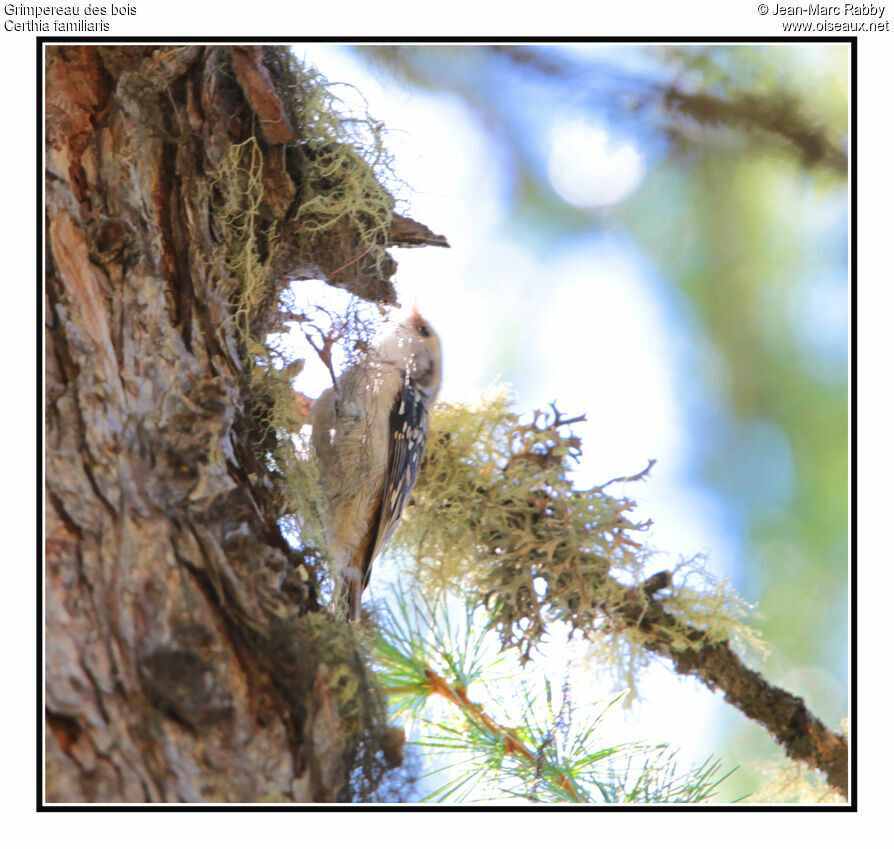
(785, 716)
(496, 507)
(777, 113)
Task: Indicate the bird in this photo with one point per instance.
(368, 433)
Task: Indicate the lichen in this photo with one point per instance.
(360, 699)
(321, 205)
(344, 207)
(238, 188)
(338, 222)
(496, 514)
(495, 506)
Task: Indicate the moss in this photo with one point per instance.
(339, 645)
(238, 187)
(361, 700)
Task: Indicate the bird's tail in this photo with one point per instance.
(347, 595)
(351, 600)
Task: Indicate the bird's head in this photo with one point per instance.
(413, 345)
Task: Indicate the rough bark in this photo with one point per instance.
(177, 667)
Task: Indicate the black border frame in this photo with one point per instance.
(40, 41)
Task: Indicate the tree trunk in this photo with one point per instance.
(184, 657)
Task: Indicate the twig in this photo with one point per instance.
(348, 264)
(785, 716)
(511, 742)
(324, 350)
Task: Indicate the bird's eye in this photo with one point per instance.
(423, 329)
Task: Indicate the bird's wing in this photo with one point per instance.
(408, 428)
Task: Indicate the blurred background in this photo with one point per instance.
(655, 236)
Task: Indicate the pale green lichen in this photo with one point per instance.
(344, 204)
(495, 506)
(783, 781)
(496, 513)
(713, 606)
(342, 212)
